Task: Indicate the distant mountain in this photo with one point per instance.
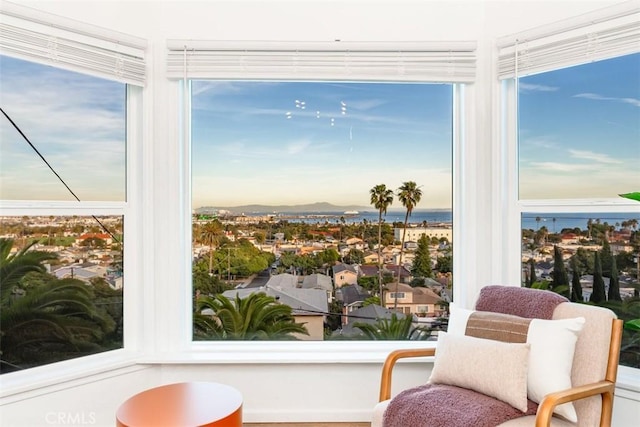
(313, 207)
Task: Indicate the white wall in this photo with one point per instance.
(319, 20)
(273, 392)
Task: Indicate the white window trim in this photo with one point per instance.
(49, 39)
(177, 346)
(41, 37)
(131, 210)
(602, 34)
(628, 380)
(453, 62)
(512, 206)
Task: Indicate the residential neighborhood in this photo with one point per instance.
(327, 273)
(85, 251)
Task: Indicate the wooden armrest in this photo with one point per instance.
(550, 401)
(389, 363)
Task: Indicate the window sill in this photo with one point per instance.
(628, 382)
(287, 352)
(326, 352)
(55, 376)
(45, 379)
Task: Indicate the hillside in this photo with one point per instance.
(313, 207)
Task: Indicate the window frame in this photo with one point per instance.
(619, 30)
(628, 377)
(517, 206)
(514, 207)
(130, 211)
(135, 206)
(189, 351)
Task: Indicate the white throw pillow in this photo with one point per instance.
(482, 365)
(553, 345)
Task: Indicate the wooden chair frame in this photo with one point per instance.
(605, 388)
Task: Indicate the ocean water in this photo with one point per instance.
(433, 217)
(573, 220)
(417, 217)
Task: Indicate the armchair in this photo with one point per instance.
(592, 368)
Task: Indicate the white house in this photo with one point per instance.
(413, 234)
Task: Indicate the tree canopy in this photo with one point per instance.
(255, 317)
(393, 329)
(44, 319)
(598, 293)
(422, 261)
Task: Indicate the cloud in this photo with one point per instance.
(596, 97)
(528, 87)
(560, 167)
(631, 101)
(297, 147)
(589, 161)
(218, 88)
(588, 95)
(215, 87)
(541, 141)
(365, 104)
(76, 121)
(256, 150)
(596, 157)
(55, 107)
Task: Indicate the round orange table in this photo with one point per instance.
(190, 404)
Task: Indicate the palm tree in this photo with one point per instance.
(381, 199)
(15, 267)
(409, 195)
(52, 321)
(44, 319)
(255, 317)
(393, 329)
(210, 234)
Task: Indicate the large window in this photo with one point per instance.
(287, 144)
(66, 193)
(300, 192)
(579, 138)
(577, 130)
(62, 139)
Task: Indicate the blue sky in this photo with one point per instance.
(77, 123)
(580, 127)
(280, 143)
(252, 143)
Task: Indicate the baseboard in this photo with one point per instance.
(301, 417)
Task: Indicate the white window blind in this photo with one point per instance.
(49, 39)
(602, 34)
(414, 61)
